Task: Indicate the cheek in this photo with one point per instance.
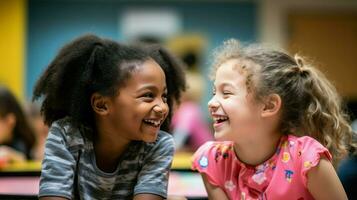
(237, 112)
(231, 107)
(124, 116)
(133, 117)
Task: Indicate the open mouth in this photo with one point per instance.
(220, 119)
(153, 122)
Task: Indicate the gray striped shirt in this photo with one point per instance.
(69, 168)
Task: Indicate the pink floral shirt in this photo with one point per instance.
(283, 176)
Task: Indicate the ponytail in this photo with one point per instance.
(61, 83)
(324, 118)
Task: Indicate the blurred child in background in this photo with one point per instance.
(40, 129)
(190, 130)
(190, 126)
(17, 138)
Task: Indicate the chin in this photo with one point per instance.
(151, 140)
(149, 137)
(221, 136)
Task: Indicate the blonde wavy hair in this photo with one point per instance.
(310, 103)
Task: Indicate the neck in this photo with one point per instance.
(257, 151)
(108, 148)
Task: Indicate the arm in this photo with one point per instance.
(155, 197)
(58, 166)
(214, 192)
(52, 198)
(147, 197)
(323, 182)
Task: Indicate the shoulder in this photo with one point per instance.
(307, 153)
(164, 136)
(212, 151)
(163, 139)
(306, 141)
(306, 147)
(62, 132)
(214, 160)
(163, 143)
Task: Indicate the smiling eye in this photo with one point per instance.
(148, 95)
(227, 93)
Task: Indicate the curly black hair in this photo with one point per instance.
(174, 70)
(86, 65)
(92, 64)
(22, 131)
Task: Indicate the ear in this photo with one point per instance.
(99, 104)
(272, 105)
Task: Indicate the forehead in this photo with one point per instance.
(228, 75)
(237, 73)
(241, 65)
(230, 69)
(148, 72)
(150, 67)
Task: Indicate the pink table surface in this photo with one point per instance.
(187, 184)
(19, 185)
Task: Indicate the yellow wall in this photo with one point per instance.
(12, 45)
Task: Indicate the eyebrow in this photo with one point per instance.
(151, 87)
(224, 85)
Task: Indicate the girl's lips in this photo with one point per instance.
(217, 125)
(152, 130)
(219, 120)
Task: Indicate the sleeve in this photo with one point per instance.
(203, 161)
(58, 166)
(311, 152)
(153, 177)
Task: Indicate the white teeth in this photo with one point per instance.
(155, 122)
(221, 118)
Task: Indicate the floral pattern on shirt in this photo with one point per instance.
(283, 176)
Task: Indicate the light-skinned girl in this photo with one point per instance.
(105, 103)
(279, 127)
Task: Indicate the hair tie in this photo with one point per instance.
(300, 66)
(299, 61)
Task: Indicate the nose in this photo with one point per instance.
(213, 104)
(161, 108)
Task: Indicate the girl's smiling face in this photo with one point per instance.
(139, 109)
(233, 109)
